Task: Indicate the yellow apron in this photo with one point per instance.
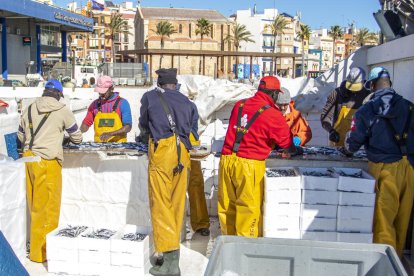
(240, 196)
(44, 192)
(394, 201)
(108, 122)
(343, 124)
(167, 192)
(198, 207)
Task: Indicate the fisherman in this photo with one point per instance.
(342, 104)
(199, 218)
(110, 114)
(385, 127)
(41, 133)
(166, 116)
(299, 127)
(256, 126)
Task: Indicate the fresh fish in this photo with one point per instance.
(354, 175)
(318, 174)
(103, 234)
(71, 231)
(134, 237)
(280, 173)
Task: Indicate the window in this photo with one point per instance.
(180, 29)
(126, 47)
(189, 30)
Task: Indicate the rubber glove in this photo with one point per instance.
(296, 141)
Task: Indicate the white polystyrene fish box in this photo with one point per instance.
(355, 225)
(356, 199)
(94, 257)
(355, 180)
(128, 270)
(355, 237)
(318, 211)
(355, 212)
(271, 209)
(321, 179)
(281, 223)
(318, 224)
(282, 179)
(283, 196)
(53, 240)
(93, 269)
(320, 197)
(318, 236)
(86, 242)
(71, 268)
(281, 234)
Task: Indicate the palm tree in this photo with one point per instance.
(364, 35)
(303, 35)
(163, 29)
(118, 25)
(203, 29)
(277, 27)
(336, 33)
(239, 34)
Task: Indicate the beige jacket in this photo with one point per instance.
(48, 141)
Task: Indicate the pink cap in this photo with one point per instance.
(103, 83)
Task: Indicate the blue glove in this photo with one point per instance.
(296, 141)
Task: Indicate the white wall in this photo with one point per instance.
(398, 57)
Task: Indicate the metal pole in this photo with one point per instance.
(64, 46)
(150, 69)
(204, 65)
(3, 48)
(172, 61)
(38, 50)
(251, 67)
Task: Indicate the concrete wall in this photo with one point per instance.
(398, 57)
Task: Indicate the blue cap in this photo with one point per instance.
(54, 84)
(376, 73)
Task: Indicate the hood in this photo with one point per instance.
(386, 102)
(48, 104)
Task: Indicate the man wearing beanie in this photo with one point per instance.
(299, 127)
(166, 116)
(41, 133)
(342, 104)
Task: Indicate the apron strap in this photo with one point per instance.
(42, 122)
(240, 132)
(178, 169)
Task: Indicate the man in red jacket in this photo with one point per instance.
(256, 126)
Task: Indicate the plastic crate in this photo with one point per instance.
(263, 256)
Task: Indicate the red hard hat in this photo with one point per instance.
(270, 83)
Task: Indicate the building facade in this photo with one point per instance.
(184, 22)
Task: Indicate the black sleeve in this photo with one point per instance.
(328, 112)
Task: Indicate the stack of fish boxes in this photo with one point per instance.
(319, 204)
(356, 205)
(325, 204)
(281, 205)
(81, 255)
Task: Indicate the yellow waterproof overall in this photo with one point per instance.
(343, 124)
(44, 192)
(107, 122)
(240, 193)
(198, 207)
(395, 195)
(167, 192)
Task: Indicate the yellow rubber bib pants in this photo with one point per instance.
(198, 208)
(167, 192)
(395, 195)
(240, 196)
(44, 192)
(343, 124)
(107, 122)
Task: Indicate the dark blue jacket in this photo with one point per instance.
(370, 128)
(194, 124)
(154, 120)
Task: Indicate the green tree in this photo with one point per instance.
(204, 28)
(336, 33)
(117, 25)
(239, 34)
(303, 35)
(363, 36)
(277, 27)
(164, 29)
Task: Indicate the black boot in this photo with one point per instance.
(170, 265)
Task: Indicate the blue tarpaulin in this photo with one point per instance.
(9, 263)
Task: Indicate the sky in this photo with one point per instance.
(315, 13)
